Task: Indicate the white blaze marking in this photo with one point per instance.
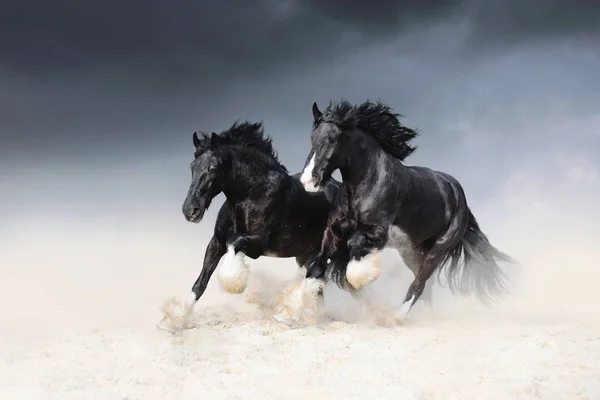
(233, 274)
(306, 178)
(364, 271)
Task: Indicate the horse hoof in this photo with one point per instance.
(360, 273)
(402, 319)
(164, 325)
(234, 272)
(176, 315)
(284, 320)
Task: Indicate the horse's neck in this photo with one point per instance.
(236, 181)
(370, 171)
(371, 177)
(243, 177)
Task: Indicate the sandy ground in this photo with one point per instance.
(78, 314)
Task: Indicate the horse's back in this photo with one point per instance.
(431, 202)
(435, 183)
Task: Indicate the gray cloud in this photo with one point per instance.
(512, 21)
(196, 42)
(175, 40)
(110, 82)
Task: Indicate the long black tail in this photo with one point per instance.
(477, 271)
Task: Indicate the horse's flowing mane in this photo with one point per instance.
(245, 134)
(375, 119)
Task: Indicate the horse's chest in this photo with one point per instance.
(374, 201)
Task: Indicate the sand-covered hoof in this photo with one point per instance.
(286, 320)
(176, 315)
(360, 273)
(234, 272)
(402, 315)
(299, 304)
(165, 325)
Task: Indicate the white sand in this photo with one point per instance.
(78, 310)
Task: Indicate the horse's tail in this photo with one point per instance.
(479, 272)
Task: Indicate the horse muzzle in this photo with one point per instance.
(193, 213)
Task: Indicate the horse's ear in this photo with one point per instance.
(316, 112)
(214, 139)
(196, 140)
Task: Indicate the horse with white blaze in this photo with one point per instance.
(420, 212)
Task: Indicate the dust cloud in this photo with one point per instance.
(79, 304)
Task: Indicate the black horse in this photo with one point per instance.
(267, 211)
(418, 211)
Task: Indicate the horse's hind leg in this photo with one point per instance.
(312, 271)
(432, 259)
(413, 258)
(308, 262)
(302, 301)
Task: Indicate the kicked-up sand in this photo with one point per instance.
(78, 314)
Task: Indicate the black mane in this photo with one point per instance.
(377, 120)
(244, 134)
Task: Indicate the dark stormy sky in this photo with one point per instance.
(99, 99)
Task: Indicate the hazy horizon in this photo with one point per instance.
(96, 130)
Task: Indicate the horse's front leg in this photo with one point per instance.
(364, 246)
(252, 246)
(176, 313)
(234, 272)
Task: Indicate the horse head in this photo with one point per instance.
(206, 177)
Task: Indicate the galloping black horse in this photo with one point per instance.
(418, 211)
(267, 211)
